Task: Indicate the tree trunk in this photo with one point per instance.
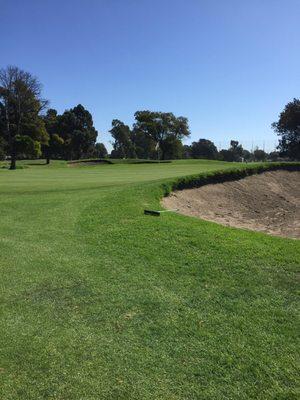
(13, 161)
(48, 160)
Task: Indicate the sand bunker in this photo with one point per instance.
(268, 202)
(79, 163)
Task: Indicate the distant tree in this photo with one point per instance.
(76, 128)
(288, 128)
(171, 148)
(3, 145)
(20, 96)
(236, 149)
(160, 127)
(247, 155)
(144, 145)
(122, 145)
(55, 143)
(259, 155)
(204, 148)
(186, 151)
(26, 147)
(274, 155)
(234, 153)
(100, 150)
(225, 155)
(3, 142)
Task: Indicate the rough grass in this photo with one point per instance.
(102, 302)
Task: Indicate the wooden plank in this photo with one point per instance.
(157, 212)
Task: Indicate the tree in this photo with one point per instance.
(186, 151)
(122, 146)
(259, 155)
(274, 156)
(2, 149)
(54, 145)
(234, 153)
(247, 155)
(204, 148)
(288, 128)
(160, 127)
(20, 96)
(145, 147)
(76, 128)
(3, 143)
(172, 148)
(100, 150)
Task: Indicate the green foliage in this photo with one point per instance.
(123, 146)
(163, 129)
(100, 150)
(259, 155)
(27, 147)
(204, 148)
(234, 153)
(144, 145)
(171, 148)
(247, 156)
(288, 128)
(2, 150)
(76, 128)
(21, 103)
(274, 156)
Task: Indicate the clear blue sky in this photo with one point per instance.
(230, 66)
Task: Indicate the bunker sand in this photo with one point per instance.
(268, 202)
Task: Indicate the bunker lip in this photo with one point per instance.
(268, 202)
(78, 163)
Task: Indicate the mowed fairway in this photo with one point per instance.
(99, 301)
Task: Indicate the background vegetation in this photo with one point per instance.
(27, 131)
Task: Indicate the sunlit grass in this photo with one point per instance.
(102, 302)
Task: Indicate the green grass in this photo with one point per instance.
(99, 301)
(120, 161)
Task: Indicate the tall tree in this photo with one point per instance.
(259, 155)
(187, 151)
(234, 153)
(20, 95)
(145, 147)
(171, 148)
(123, 146)
(288, 128)
(160, 127)
(204, 148)
(3, 143)
(76, 128)
(54, 145)
(100, 150)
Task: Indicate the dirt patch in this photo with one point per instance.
(268, 202)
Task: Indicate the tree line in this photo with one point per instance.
(29, 128)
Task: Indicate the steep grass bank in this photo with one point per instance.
(239, 171)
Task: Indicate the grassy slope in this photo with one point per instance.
(102, 302)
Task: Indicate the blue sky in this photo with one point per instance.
(230, 66)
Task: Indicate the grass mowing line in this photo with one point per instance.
(102, 302)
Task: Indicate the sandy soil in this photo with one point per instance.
(268, 202)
